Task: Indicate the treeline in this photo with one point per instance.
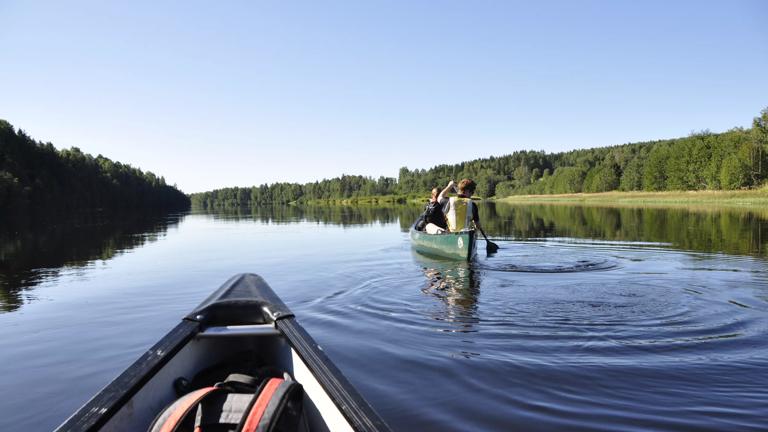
(730, 160)
(344, 187)
(35, 176)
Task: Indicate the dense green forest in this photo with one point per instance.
(702, 161)
(35, 176)
(346, 186)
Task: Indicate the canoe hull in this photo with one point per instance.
(457, 246)
(244, 318)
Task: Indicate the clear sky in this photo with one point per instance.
(214, 94)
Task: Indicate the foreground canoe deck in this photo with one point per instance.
(458, 246)
(243, 316)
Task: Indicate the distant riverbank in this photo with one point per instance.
(369, 200)
(756, 198)
(739, 198)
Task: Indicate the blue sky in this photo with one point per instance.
(214, 94)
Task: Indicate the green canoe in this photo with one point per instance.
(459, 245)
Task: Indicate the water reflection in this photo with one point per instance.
(659, 339)
(706, 229)
(456, 285)
(735, 231)
(344, 215)
(32, 251)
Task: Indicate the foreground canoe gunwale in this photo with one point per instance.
(100, 409)
(274, 322)
(354, 408)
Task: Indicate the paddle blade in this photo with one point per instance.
(491, 247)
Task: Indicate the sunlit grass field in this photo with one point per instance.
(737, 198)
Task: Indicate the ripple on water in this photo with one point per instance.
(573, 328)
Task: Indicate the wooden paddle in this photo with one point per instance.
(490, 246)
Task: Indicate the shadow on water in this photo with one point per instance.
(35, 250)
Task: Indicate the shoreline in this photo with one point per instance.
(744, 199)
(754, 198)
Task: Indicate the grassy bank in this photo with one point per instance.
(757, 198)
(737, 198)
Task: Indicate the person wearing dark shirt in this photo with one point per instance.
(434, 216)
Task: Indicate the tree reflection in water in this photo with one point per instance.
(703, 228)
(34, 250)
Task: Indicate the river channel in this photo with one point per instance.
(587, 318)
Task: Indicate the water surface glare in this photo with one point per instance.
(559, 330)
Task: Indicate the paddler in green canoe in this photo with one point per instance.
(460, 212)
(434, 217)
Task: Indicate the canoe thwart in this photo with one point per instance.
(240, 330)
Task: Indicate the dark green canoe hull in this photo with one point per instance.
(458, 246)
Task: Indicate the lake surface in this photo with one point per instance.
(588, 318)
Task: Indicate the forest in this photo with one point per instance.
(346, 186)
(734, 159)
(35, 177)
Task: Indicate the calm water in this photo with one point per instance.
(587, 318)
